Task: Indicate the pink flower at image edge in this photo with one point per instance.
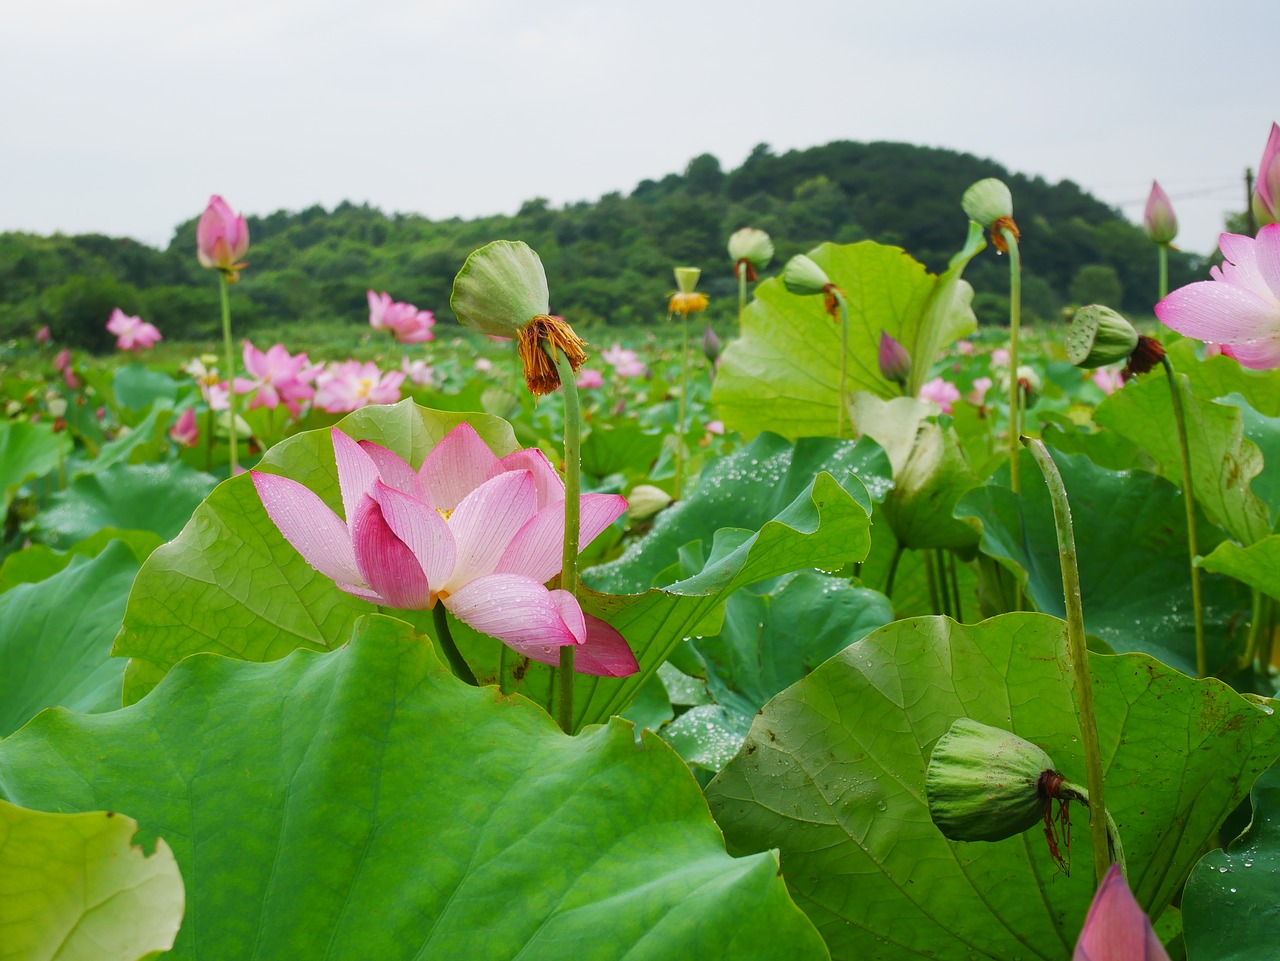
(477, 533)
(132, 333)
(1116, 928)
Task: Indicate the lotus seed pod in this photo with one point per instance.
(804, 277)
(500, 289)
(687, 279)
(984, 784)
(988, 201)
(752, 245)
(1099, 336)
(644, 501)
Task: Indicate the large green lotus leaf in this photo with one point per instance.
(1221, 375)
(832, 774)
(1223, 461)
(74, 888)
(1257, 565)
(783, 373)
(367, 804)
(1231, 907)
(930, 472)
(137, 386)
(55, 648)
(35, 562)
(27, 451)
(1130, 532)
(620, 448)
(742, 490)
(1265, 432)
(144, 497)
(146, 441)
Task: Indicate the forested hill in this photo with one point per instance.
(608, 261)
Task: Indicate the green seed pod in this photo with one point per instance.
(1099, 336)
(500, 289)
(804, 277)
(687, 278)
(984, 784)
(752, 245)
(988, 201)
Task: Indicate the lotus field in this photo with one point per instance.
(854, 631)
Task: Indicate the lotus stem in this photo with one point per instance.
(1015, 394)
(931, 578)
(1164, 270)
(684, 390)
(572, 512)
(893, 572)
(440, 618)
(231, 369)
(1189, 502)
(1077, 650)
(844, 362)
(741, 271)
(1115, 849)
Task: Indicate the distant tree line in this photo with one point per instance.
(608, 261)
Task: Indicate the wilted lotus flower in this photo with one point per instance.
(589, 379)
(1159, 220)
(1116, 928)
(350, 385)
(132, 333)
(406, 322)
(1240, 307)
(895, 362)
(686, 300)
(750, 249)
(222, 238)
(478, 534)
(184, 430)
(990, 203)
(940, 392)
(1266, 191)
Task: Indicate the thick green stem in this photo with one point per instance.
(1189, 501)
(1164, 270)
(231, 369)
(572, 512)
(684, 390)
(932, 579)
(440, 618)
(1015, 395)
(843, 398)
(955, 586)
(741, 271)
(893, 571)
(1078, 651)
(1115, 849)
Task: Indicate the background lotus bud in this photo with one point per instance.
(43, 335)
(222, 238)
(1266, 190)
(1099, 336)
(753, 246)
(1159, 220)
(1030, 384)
(804, 277)
(988, 201)
(711, 345)
(895, 362)
(644, 501)
(984, 784)
(184, 431)
(687, 278)
(1116, 928)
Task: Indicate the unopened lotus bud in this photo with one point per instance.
(895, 362)
(644, 501)
(1266, 192)
(989, 203)
(750, 248)
(711, 345)
(1099, 336)
(1159, 220)
(1030, 384)
(985, 784)
(802, 276)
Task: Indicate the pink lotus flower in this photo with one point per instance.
(940, 392)
(625, 363)
(62, 364)
(1240, 307)
(1108, 379)
(1116, 929)
(278, 378)
(484, 365)
(184, 430)
(1266, 191)
(978, 395)
(478, 534)
(715, 427)
(132, 333)
(1000, 357)
(350, 385)
(964, 348)
(1159, 220)
(222, 238)
(43, 335)
(409, 324)
(419, 372)
(589, 379)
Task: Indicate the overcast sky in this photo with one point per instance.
(122, 116)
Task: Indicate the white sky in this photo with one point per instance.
(122, 116)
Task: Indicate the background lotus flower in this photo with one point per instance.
(978, 395)
(419, 372)
(1108, 379)
(184, 430)
(222, 238)
(1116, 929)
(43, 335)
(625, 362)
(132, 333)
(406, 322)
(1266, 191)
(1240, 307)
(278, 378)
(469, 530)
(1159, 220)
(588, 379)
(350, 385)
(940, 392)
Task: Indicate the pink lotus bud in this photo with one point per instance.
(1266, 191)
(222, 238)
(184, 431)
(62, 360)
(895, 362)
(1116, 929)
(43, 335)
(1159, 220)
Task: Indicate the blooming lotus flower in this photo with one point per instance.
(1108, 379)
(484, 365)
(588, 378)
(1116, 929)
(350, 385)
(409, 324)
(132, 333)
(964, 348)
(1240, 307)
(1159, 220)
(278, 378)
(978, 395)
(1266, 191)
(184, 430)
(474, 532)
(1000, 357)
(625, 362)
(940, 392)
(419, 372)
(222, 238)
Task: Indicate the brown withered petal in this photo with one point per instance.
(540, 374)
(1145, 356)
(997, 238)
(751, 269)
(687, 303)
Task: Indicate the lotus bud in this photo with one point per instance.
(1159, 220)
(1030, 384)
(222, 238)
(43, 335)
(711, 345)
(985, 784)
(1099, 336)
(750, 248)
(1266, 191)
(895, 362)
(990, 203)
(644, 501)
(1116, 928)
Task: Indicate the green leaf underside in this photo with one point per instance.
(365, 803)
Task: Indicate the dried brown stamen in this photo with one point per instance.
(540, 374)
(999, 225)
(1145, 356)
(751, 268)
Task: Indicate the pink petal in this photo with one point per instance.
(457, 465)
(537, 550)
(1262, 354)
(1266, 249)
(356, 471)
(306, 522)
(516, 610)
(1218, 312)
(1116, 927)
(605, 653)
(485, 523)
(421, 528)
(571, 613)
(549, 485)
(386, 563)
(392, 468)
